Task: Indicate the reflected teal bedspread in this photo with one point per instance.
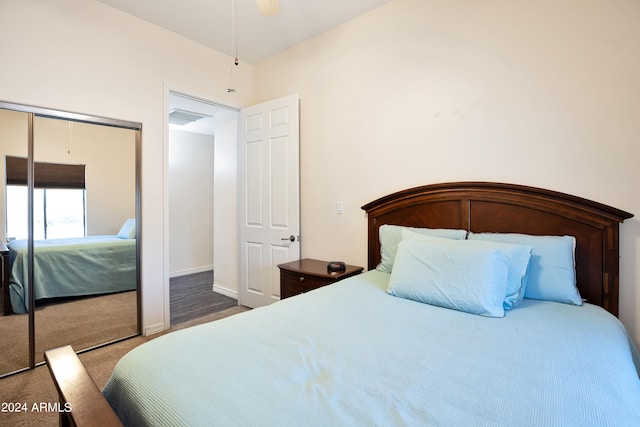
(349, 354)
(72, 267)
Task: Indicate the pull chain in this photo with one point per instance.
(234, 45)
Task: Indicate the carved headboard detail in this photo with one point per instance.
(511, 208)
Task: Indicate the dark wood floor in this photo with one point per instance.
(192, 297)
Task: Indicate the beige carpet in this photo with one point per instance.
(35, 386)
(82, 323)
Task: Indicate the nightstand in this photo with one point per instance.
(305, 275)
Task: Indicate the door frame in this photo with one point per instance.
(168, 90)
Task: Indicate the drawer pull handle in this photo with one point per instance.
(302, 279)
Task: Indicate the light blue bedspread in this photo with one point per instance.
(72, 267)
(351, 355)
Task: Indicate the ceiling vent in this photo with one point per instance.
(182, 117)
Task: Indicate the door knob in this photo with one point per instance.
(291, 238)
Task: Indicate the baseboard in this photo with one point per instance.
(153, 329)
(225, 291)
(188, 271)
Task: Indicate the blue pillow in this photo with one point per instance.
(551, 275)
(128, 229)
(463, 277)
(518, 256)
(391, 235)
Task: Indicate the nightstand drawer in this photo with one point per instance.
(297, 283)
(305, 275)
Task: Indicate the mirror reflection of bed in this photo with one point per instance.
(84, 229)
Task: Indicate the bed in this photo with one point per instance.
(73, 267)
(377, 349)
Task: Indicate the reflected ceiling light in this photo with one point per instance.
(268, 7)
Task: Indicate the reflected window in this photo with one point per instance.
(58, 200)
(58, 213)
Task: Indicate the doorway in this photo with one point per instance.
(201, 162)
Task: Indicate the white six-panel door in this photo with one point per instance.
(269, 205)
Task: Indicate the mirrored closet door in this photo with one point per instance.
(72, 212)
(14, 328)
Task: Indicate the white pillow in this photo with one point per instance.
(128, 229)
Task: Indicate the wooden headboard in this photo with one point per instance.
(509, 208)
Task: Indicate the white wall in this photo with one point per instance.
(84, 56)
(541, 93)
(190, 202)
(225, 216)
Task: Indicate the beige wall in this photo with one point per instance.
(539, 93)
(83, 56)
(13, 142)
(107, 152)
(109, 156)
(190, 202)
(225, 212)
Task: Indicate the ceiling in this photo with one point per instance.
(209, 22)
